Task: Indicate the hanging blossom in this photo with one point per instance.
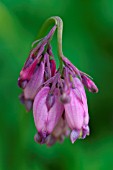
(56, 96)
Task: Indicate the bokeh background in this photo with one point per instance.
(88, 43)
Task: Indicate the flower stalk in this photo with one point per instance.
(59, 24)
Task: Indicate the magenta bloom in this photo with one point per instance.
(57, 96)
(38, 68)
(47, 110)
(77, 111)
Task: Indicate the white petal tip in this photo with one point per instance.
(74, 135)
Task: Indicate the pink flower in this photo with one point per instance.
(57, 96)
(38, 68)
(47, 110)
(76, 111)
(32, 86)
(36, 81)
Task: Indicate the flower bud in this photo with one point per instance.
(80, 91)
(45, 120)
(76, 111)
(90, 85)
(65, 98)
(26, 74)
(35, 82)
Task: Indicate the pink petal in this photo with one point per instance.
(74, 112)
(81, 89)
(35, 82)
(54, 113)
(40, 112)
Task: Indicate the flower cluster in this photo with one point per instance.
(56, 96)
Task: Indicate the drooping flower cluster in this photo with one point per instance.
(57, 98)
(38, 68)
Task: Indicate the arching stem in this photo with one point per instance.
(59, 23)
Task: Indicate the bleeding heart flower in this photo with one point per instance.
(47, 110)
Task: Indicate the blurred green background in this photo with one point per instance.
(88, 43)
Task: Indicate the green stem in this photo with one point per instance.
(59, 41)
(59, 23)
